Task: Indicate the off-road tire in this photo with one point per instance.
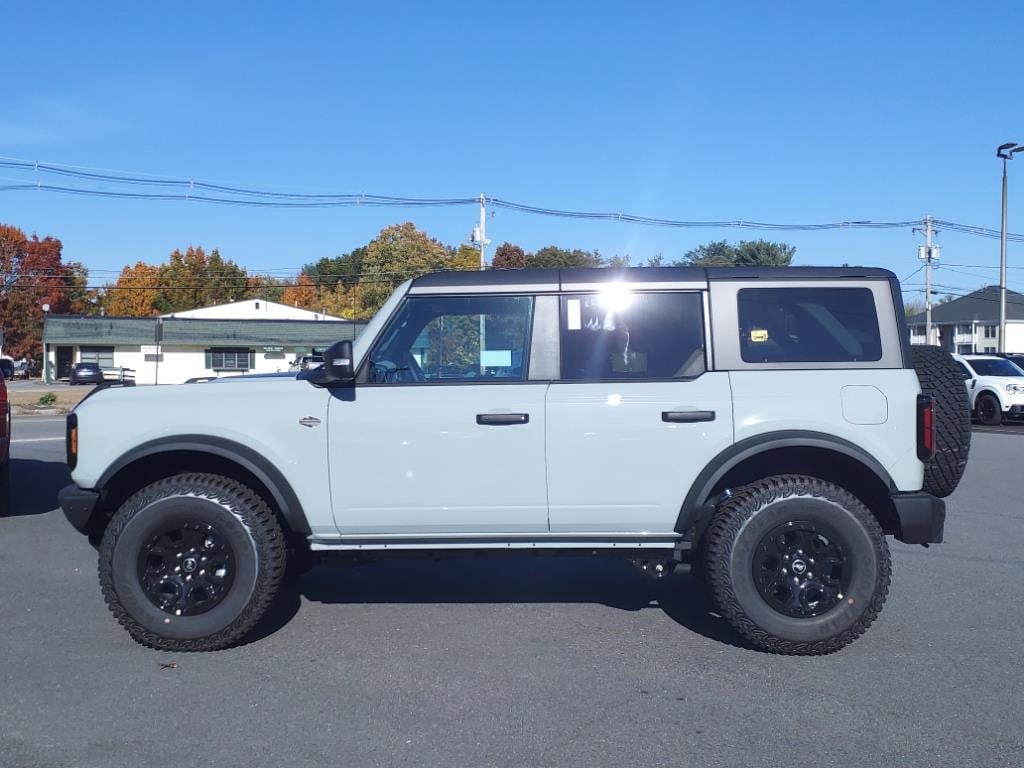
(753, 510)
(994, 415)
(240, 514)
(941, 377)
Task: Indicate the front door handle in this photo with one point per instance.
(502, 419)
(687, 417)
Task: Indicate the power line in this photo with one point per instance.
(183, 189)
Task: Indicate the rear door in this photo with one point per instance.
(635, 414)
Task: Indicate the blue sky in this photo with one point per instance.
(794, 112)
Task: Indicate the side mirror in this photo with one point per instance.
(338, 367)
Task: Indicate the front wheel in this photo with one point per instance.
(191, 563)
(990, 413)
(796, 565)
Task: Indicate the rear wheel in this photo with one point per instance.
(796, 565)
(191, 563)
(989, 412)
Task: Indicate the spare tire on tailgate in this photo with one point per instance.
(942, 378)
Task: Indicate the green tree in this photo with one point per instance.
(746, 253)
(344, 269)
(553, 257)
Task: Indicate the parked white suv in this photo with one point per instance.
(765, 426)
(995, 387)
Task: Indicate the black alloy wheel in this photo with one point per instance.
(989, 412)
(187, 569)
(800, 569)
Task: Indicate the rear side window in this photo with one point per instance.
(808, 325)
(621, 334)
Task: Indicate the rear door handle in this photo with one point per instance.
(502, 419)
(687, 417)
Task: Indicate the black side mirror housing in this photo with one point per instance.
(338, 368)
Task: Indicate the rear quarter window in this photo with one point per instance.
(808, 325)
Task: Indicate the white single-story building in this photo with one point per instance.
(970, 324)
(254, 336)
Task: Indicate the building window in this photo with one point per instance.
(229, 359)
(990, 331)
(102, 356)
(965, 330)
(964, 349)
(989, 350)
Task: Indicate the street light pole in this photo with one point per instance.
(1005, 152)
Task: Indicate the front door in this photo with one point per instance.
(442, 434)
(636, 415)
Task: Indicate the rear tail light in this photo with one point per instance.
(925, 427)
(72, 441)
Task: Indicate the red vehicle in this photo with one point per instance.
(5, 445)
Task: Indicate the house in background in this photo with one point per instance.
(970, 324)
(254, 336)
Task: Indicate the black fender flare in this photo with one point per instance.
(700, 492)
(253, 462)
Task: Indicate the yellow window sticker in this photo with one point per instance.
(759, 335)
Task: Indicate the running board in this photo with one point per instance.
(501, 541)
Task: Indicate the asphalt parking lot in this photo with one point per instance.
(514, 661)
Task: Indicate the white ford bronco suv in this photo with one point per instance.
(767, 427)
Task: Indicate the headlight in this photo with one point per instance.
(1014, 389)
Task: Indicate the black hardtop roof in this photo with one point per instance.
(598, 275)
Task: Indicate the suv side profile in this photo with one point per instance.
(995, 386)
(766, 427)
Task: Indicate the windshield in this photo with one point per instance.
(995, 367)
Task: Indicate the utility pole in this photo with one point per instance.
(927, 253)
(479, 237)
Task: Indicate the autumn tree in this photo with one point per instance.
(398, 253)
(302, 293)
(196, 279)
(32, 274)
(135, 292)
(509, 256)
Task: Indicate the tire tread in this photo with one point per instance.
(250, 509)
(724, 530)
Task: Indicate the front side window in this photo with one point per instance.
(622, 334)
(454, 339)
(808, 325)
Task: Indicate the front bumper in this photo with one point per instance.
(78, 506)
(921, 517)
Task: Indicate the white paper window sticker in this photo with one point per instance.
(496, 358)
(575, 314)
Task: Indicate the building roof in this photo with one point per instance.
(93, 330)
(253, 309)
(980, 306)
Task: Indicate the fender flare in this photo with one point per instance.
(254, 463)
(700, 492)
